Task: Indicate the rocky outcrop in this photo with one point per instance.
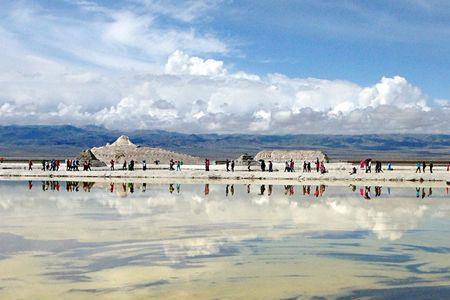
(87, 155)
(123, 149)
(286, 155)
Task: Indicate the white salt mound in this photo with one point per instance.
(124, 149)
(280, 156)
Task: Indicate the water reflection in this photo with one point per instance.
(83, 239)
(366, 192)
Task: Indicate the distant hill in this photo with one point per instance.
(66, 141)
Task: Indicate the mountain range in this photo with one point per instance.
(45, 141)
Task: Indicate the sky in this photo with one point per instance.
(260, 67)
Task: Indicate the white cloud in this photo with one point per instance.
(122, 69)
(180, 63)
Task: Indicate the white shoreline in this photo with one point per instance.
(338, 175)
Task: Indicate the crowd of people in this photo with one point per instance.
(289, 166)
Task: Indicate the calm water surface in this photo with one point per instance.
(74, 240)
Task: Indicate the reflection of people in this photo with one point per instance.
(111, 187)
(262, 189)
(206, 189)
(171, 189)
(270, 190)
(367, 193)
(377, 191)
(30, 184)
(248, 188)
(227, 188)
(232, 189)
(322, 190)
(144, 187)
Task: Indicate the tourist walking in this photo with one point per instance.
(232, 166)
(30, 165)
(270, 166)
(178, 165)
(227, 163)
(124, 166)
(286, 167)
(292, 166)
(144, 165)
(418, 170)
(131, 165)
(317, 165)
(112, 164)
(207, 163)
(424, 165)
(431, 167)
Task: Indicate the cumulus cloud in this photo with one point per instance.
(124, 70)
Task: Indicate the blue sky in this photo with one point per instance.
(304, 66)
(360, 41)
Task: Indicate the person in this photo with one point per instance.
(263, 165)
(448, 167)
(323, 170)
(431, 167)
(390, 167)
(30, 165)
(178, 165)
(249, 163)
(369, 166)
(424, 165)
(232, 166)
(156, 162)
(418, 168)
(124, 166)
(305, 166)
(112, 164)
(353, 171)
(292, 165)
(286, 166)
(228, 165)
(144, 165)
(207, 165)
(317, 165)
(309, 167)
(270, 166)
(171, 164)
(131, 165)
